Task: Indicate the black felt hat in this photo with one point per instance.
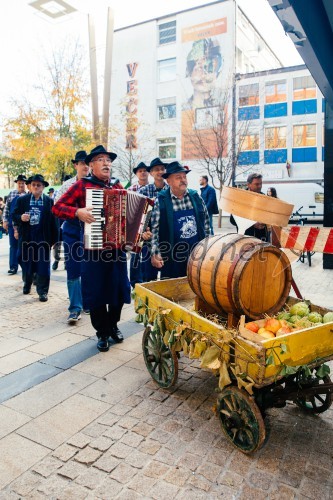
(21, 178)
(38, 178)
(51, 190)
(80, 156)
(155, 162)
(141, 165)
(28, 181)
(174, 168)
(99, 150)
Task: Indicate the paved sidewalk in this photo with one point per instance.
(78, 424)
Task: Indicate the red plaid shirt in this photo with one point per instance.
(75, 197)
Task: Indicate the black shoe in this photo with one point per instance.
(43, 297)
(55, 265)
(116, 334)
(103, 344)
(12, 271)
(26, 289)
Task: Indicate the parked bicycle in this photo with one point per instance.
(298, 220)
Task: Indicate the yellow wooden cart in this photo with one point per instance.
(253, 375)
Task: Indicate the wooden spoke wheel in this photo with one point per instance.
(317, 403)
(241, 419)
(161, 361)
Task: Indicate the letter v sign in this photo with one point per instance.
(131, 68)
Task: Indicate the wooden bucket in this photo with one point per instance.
(240, 274)
(255, 206)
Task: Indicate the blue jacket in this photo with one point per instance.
(208, 195)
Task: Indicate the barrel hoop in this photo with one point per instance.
(211, 242)
(189, 275)
(217, 263)
(231, 271)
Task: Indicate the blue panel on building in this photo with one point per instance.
(304, 155)
(249, 113)
(275, 156)
(323, 105)
(323, 153)
(306, 107)
(248, 158)
(276, 109)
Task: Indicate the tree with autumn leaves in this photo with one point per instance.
(43, 136)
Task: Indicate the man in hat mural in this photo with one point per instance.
(73, 246)
(179, 220)
(141, 173)
(8, 222)
(38, 232)
(156, 169)
(105, 285)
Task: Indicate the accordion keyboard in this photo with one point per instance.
(93, 233)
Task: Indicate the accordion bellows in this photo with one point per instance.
(121, 218)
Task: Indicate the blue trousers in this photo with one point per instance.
(13, 249)
(211, 224)
(73, 250)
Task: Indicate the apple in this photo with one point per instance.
(272, 324)
(252, 326)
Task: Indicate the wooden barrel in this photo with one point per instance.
(240, 274)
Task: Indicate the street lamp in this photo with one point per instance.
(59, 8)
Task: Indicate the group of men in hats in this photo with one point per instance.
(179, 220)
(97, 280)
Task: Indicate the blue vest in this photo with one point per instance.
(166, 226)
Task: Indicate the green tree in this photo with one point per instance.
(46, 135)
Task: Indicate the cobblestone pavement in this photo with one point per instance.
(103, 429)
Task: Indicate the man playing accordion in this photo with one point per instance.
(105, 284)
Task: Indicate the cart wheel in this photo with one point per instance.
(317, 403)
(241, 419)
(161, 361)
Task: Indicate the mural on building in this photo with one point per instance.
(204, 64)
(132, 107)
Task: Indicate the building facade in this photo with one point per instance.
(170, 76)
(285, 137)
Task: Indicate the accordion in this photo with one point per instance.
(120, 219)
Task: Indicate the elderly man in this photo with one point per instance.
(156, 169)
(258, 230)
(179, 221)
(8, 223)
(105, 285)
(73, 247)
(37, 233)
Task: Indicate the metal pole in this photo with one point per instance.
(93, 78)
(107, 77)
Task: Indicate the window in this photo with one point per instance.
(167, 148)
(166, 108)
(249, 142)
(275, 137)
(319, 197)
(249, 95)
(276, 91)
(167, 32)
(167, 70)
(304, 88)
(304, 135)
